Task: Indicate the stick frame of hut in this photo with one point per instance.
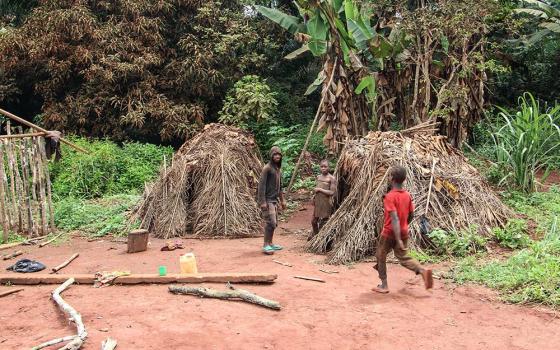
(25, 189)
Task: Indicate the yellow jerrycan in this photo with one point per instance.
(188, 264)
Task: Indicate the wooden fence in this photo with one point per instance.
(25, 187)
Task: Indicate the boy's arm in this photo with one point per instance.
(396, 225)
(261, 190)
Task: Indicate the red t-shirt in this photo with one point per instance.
(401, 202)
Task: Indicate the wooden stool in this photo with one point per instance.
(137, 241)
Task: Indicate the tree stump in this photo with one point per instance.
(137, 241)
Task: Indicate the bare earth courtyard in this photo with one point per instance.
(340, 314)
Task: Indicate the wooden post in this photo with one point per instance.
(137, 241)
(49, 185)
(41, 185)
(27, 188)
(2, 198)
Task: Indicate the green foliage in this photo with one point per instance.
(96, 218)
(249, 101)
(541, 207)
(513, 235)
(528, 142)
(458, 243)
(529, 276)
(107, 169)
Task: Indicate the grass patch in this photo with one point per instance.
(95, 218)
(542, 207)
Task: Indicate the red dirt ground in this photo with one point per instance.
(340, 314)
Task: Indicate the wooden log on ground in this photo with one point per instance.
(64, 264)
(41, 278)
(13, 255)
(109, 344)
(233, 294)
(282, 263)
(310, 279)
(77, 340)
(11, 291)
(50, 240)
(137, 241)
(10, 245)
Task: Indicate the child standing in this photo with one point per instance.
(398, 212)
(322, 201)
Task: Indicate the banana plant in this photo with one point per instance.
(548, 13)
(324, 24)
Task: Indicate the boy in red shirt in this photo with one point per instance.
(398, 212)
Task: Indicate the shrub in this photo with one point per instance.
(107, 169)
(513, 235)
(458, 243)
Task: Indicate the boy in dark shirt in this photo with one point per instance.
(398, 212)
(271, 198)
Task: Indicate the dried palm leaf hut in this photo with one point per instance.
(446, 190)
(209, 189)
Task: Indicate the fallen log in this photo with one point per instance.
(13, 255)
(11, 291)
(10, 245)
(64, 264)
(310, 279)
(109, 344)
(232, 294)
(50, 240)
(77, 340)
(41, 278)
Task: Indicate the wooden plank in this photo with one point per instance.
(41, 278)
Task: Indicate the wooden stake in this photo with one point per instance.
(19, 184)
(3, 208)
(32, 195)
(11, 291)
(25, 187)
(14, 203)
(33, 126)
(13, 255)
(49, 186)
(64, 264)
(238, 294)
(310, 279)
(41, 183)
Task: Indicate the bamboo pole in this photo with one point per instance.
(10, 180)
(296, 168)
(2, 197)
(36, 127)
(19, 186)
(27, 188)
(41, 185)
(33, 180)
(22, 136)
(14, 184)
(49, 185)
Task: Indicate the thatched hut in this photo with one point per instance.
(447, 191)
(209, 189)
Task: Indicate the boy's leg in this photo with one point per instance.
(384, 246)
(315, 225)
(413, 265)
(270, 225)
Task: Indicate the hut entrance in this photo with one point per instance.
(25, 187)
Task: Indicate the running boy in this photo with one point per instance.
(322, 201)
(398, 212)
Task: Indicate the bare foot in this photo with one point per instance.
(428, 279)
(380, 289)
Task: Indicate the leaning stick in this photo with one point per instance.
(76, 341)
(11, 291)
(50, 240)
(296, 168)
(282, 263)
(227, 295)
(64, 264)
(36, 127)
(13, 255)
(310, 279)
(430, 187)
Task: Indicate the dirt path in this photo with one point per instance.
(339, 314)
